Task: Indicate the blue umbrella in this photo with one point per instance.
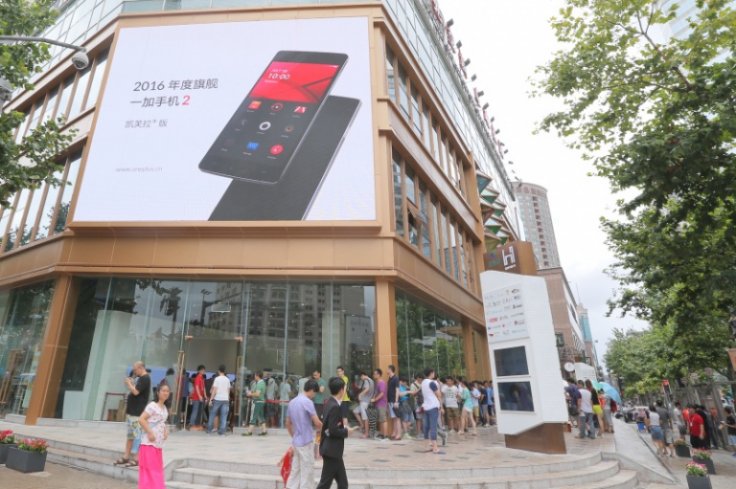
(611, 392)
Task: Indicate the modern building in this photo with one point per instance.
(591, 354)
(570, 339)
(536, 219)
(287, 186)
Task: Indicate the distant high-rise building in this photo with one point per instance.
(536, 219)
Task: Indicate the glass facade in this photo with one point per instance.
(288, 329)
(23, 315)
(427, 338)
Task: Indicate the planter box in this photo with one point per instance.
(682, 451)
(708, 464)
(4, 448)
(25, 461)
(696, 482)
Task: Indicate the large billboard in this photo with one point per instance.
(263, 120)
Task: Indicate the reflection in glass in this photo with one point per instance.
(23, 315)
(427, 338)
(515, 396)
(283, 328)
(511, 361)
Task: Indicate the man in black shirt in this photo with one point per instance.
(392, 396)
(332, 439)
(138, 396)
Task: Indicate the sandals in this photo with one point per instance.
(121, 461)
(132, 464)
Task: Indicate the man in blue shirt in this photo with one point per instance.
(491, 405)
(301, 422)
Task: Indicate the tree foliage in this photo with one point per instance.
(26, 163)
(656, 115)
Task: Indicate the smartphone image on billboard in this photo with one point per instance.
(261, 138)
(293, 196)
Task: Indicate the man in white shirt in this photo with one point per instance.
(219, 401)
(585, 408)
(450, 395)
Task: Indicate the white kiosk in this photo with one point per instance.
(530, 401)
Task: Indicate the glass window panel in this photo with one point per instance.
(436, 144)
(50, 105)
(24, 313)
(445, 243)
(96, 83)
(66, 92)
(35, 204)
(398, 196)
(49, 205)
(22, 128)
(436, 232)
(403, 92)
(453, 245)
(79, 93)
(36, 117)
(20, 208)
(410, 185)
(413, 229)
(390, 60)
(66, 197)
(463, 262)
(426, 244)
(426, 133)
(443, 155)
(416, 116)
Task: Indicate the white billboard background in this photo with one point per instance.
(151, 173)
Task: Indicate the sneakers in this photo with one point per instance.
(263, 433)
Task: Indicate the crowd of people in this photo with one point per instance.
(589, 408)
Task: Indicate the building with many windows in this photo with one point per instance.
(322, 197)
(536, 219)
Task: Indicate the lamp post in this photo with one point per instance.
(80, 60)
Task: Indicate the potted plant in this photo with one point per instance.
(682, 449)
(703, 457)
(7, 440)
(697, 476)
(28, 456)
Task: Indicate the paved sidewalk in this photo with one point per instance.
(59, 477)
(724, 462)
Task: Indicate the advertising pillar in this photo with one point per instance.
(529, 397)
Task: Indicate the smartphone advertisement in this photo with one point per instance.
(263, 120)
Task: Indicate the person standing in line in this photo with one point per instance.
(284, 398)
(258, 395)
(467, 420)
(585, 410)
(332, 439)
(364, 399)
(450, 396)
(432, 404)
(301, 422)
(393, 403)
(380, 400)
(476, 397)
(679, 420)
(655, 428)
(406, 407)
(416, 391)
(219, 401)
(597, 409)
(153, 423)
(698, 433)
(491, 404)
(666, 423)
(138, 395)
(199, 397)
(319, 398)
(345, 404)
(730, 425)
(183, 398)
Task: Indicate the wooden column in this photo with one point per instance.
(54, 350)
(386, 346)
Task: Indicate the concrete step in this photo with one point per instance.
(416, 472)
(396, 479)
(92, 462)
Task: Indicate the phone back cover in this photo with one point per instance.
(290, 198)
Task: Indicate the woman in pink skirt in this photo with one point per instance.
(150, 455)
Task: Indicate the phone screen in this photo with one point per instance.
(267, 128)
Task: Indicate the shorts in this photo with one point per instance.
(134, 427)
(476, 411)
(391, 412)
(597, 409)
(452, 413)
(382, 414)
(362, 410)
(732, 440)
(657, 433)
(257, 418)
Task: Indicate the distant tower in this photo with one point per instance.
(536, 219)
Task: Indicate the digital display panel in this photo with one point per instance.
(516, 396)
(511, 361)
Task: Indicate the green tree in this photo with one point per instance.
(657, 119)
(26, 163)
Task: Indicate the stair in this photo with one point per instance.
(598, 475)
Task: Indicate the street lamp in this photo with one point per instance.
(80, 60)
